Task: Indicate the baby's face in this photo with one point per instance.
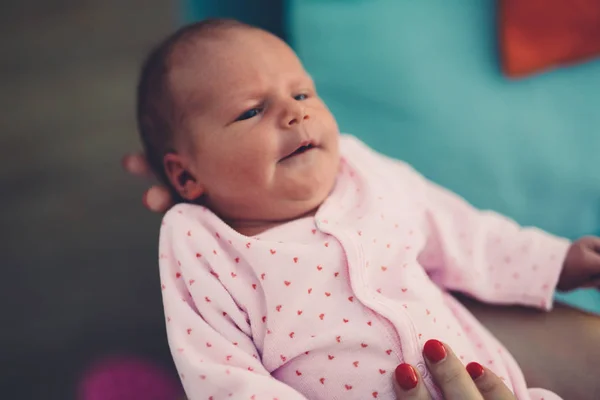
(264, 147)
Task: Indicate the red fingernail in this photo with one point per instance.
(475, 370)
(406, 376)
(434, 351)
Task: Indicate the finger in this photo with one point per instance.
(408, 384)
(489, 384)
(157, 199)
(449, 373)
(136, 164)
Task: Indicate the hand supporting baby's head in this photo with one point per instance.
(229, 116)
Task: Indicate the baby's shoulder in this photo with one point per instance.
(364, 158)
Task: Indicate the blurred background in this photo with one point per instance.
(78, 248)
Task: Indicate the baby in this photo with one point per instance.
(301, 264)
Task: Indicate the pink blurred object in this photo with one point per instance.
(127, 378)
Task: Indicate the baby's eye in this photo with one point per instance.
(249, 114)
(300, 97)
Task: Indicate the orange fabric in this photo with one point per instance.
(536, 35)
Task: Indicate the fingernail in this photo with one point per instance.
(434, 351)
(406, 376)
(475, 370)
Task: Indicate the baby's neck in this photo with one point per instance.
(253, 228)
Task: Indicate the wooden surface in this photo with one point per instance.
(78, 250)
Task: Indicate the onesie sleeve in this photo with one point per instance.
(479, 253)
(209, 334)
(486, 255)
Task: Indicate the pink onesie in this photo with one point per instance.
(326, 307)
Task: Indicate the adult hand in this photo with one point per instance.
(456, 382)
(157, 198)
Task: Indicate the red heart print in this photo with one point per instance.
(189, 233)
(264, 319)
(319, 267)
(233, 274)
(388, 245)
(237, 260)
(278, 308)
(348, 387)
(322, 380)
(298, 373)
(296, 260)
(330, 357)
(427, 311)
(224, 314)
(338, 339)
(378, 290)
(208, 344)
(359, 233)
(327, 294)
(381, 371)
(235, 343)
(217, 235)
(250, 369)
(375, 395)
(273, 251)
(404, 290)
(163, 287)
(309, 290)
(322, 316)
(191, 282)
(228, 358)
(198, 255)
(248, 245)
(178, 275)
(326, 244)
(336, 274)
(314, 231)
(369, 323)
(189, 331)
(254, 286)
(207, 299)
(351, 298)
(287, 283)
(389, 351)
(383, 268)
(355, 363)
(203, 377)
(306, 352)
(215, 252)
(363, 345)
(292, 335)
(346, 320)
(283, 358)
(299, 312)
(262, 276)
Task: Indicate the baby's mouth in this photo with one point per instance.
(302, 149)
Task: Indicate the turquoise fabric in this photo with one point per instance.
(419, 80)
(268, 14)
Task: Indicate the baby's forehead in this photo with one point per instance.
(230, 60)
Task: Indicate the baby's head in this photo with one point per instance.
(229, 118)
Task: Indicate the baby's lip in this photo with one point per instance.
(304, 146)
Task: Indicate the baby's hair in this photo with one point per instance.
(157, 116)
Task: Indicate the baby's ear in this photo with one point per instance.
(181, 177)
